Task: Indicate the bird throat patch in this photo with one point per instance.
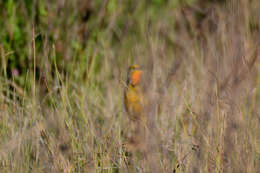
(136, 76)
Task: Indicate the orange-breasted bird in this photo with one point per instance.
(134, 99)
(135, 104)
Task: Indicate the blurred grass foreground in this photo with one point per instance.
(63, 68)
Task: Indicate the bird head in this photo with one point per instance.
(134, 75)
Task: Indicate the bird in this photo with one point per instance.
(135, 103)
(134, 99)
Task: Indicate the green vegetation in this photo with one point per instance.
(63, 68)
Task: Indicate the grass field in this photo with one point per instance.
(63, 72)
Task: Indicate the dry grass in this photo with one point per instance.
(203, 77)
